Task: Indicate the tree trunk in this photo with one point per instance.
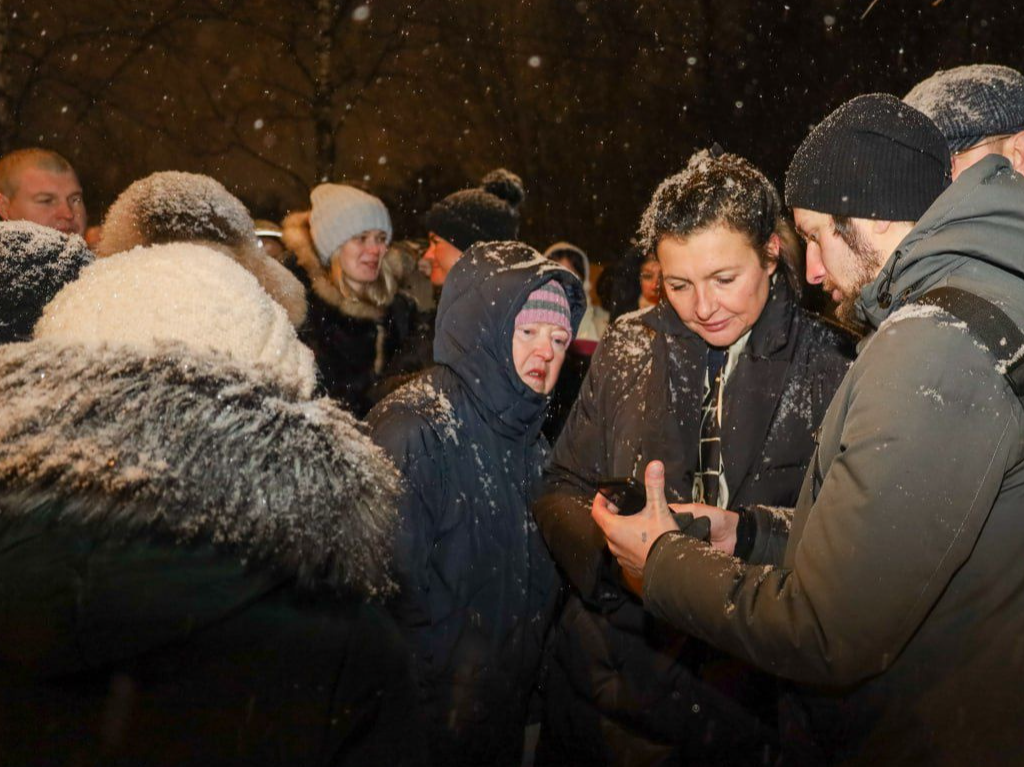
(324, 90)
(6, 122)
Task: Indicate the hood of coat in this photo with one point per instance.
(299, 240)
(184, 293)
(197, 450)
(769, 334)
(175, 207)
(476, 320)
(975, 228)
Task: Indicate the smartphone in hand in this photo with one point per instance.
(625, 492)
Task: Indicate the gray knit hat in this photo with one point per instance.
(874, 157)
(973, 102)
(341, 212)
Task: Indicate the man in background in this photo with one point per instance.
(39, 185)
(979, 110)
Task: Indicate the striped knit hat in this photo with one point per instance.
(548, 303)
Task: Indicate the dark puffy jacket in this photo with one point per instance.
(188, 559)
(353, 341)
(479, 586)
(625, 689)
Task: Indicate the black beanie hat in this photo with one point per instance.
(874, 157)
(35, 263)
(488, 212)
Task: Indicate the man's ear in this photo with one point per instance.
(1015, 151)
(5, 206)
(880, 227)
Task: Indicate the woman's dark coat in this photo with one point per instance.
(188, 559)
(622, 687)
(479, 587)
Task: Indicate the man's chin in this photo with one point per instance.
(846, 310)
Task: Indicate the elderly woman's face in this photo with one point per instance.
(715, 282)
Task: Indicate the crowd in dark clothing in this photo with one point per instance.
(296, 495)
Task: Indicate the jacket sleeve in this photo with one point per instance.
(563, 509)
(419, 456)
(928, 429)
(771, 526)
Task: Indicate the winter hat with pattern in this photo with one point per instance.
(340, 212)
(488, 212)
(548, 303)
(35, 263)
(874, 157)
(971, 103)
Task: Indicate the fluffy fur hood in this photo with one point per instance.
(298, 239)
(172, 206)
(198, 451)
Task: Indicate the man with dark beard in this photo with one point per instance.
(893, 594)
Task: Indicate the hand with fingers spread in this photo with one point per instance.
(630, 538)
(723, 523)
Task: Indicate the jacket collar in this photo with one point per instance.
(977, 218)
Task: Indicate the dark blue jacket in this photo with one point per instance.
(478, 585)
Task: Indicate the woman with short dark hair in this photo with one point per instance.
(725, 380)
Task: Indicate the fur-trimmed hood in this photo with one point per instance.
(194, 449)
(171, 206)
(298, 239)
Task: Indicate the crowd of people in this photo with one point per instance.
(298, 494)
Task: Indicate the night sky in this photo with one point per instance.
(592, 103)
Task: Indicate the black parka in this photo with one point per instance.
(622, 688)
(479, 586)
(188, 561)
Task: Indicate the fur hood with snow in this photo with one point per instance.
(298, 239)
(172, 206)
(35, 263)
(192, 448)
(184, 293)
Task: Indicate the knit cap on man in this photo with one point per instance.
(483, 214)
(548, 303)
(972, 103)
(874, 157)
(340, 212)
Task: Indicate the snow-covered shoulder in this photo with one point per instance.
(419, 399)
(198, 450)
(938, 357)
(1003, 356)
(626, 348)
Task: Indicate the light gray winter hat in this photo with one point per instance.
(971, 103)
(339, 213)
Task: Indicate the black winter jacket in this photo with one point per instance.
(188, 556)
(623, 688)
(478, 585)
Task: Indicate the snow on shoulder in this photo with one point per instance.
(180, 293)
(35, 263)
